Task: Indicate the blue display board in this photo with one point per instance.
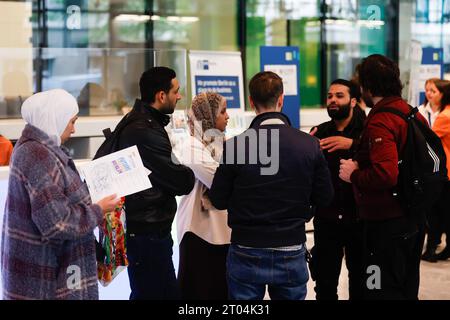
(431, 59)
(433, 56)
(285, 61)
(219, 72)
(227, 86)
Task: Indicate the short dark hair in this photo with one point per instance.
(353, 88)
(265, 89)
(154, 80)
(445, 101)
(381, 76)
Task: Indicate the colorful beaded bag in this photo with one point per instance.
(112, 240)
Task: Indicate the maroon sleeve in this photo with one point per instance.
(383, 134)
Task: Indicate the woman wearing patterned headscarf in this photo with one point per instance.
(48, 249)
(202, 229)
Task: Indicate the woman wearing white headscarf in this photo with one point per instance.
(48, 249)
(202, 229)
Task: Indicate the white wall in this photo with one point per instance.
(16, 57)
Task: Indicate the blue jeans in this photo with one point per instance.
(150, 269)
(250, 270)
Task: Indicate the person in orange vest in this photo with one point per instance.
(6, 148)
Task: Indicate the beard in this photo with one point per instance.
(169, 108)
(341, 113)
(367, 99)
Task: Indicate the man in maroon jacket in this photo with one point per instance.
(393, 242)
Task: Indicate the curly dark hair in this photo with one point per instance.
(381, 76)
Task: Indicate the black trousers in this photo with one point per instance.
(439, 221)
(202, 269)
(333, 240)
(446, 214)
(392, 253)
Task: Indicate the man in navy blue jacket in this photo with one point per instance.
(270, 179)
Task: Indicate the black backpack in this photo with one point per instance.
(422, 167)
(111, 143)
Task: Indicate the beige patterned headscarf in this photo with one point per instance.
(202, 118)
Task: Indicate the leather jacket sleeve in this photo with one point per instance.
(322, 189)
(156, 153)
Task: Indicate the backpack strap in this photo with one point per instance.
(129, 118)
(107, 133)
(400, 114)
(397, 112)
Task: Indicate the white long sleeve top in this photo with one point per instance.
(209, 224)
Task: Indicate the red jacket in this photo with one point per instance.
(378, 161)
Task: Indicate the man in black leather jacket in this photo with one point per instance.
(150, 213)
(337, 229)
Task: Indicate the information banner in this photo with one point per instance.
(432, 67)
(285, 61)
(219, 72)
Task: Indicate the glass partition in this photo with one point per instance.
(333, 36)
(355, 29)
(105, 82)
(429, 23)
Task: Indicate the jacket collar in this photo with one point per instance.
(388, 101)
(264, 117)
(145, 108)
(35, 134)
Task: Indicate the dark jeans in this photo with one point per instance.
(333, 240)
(250, 270)
(202, 269)
(392, 247)
(150, 270)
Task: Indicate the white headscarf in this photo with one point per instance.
(50, 111)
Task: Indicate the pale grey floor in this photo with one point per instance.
(434, 284)
(435, 280)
